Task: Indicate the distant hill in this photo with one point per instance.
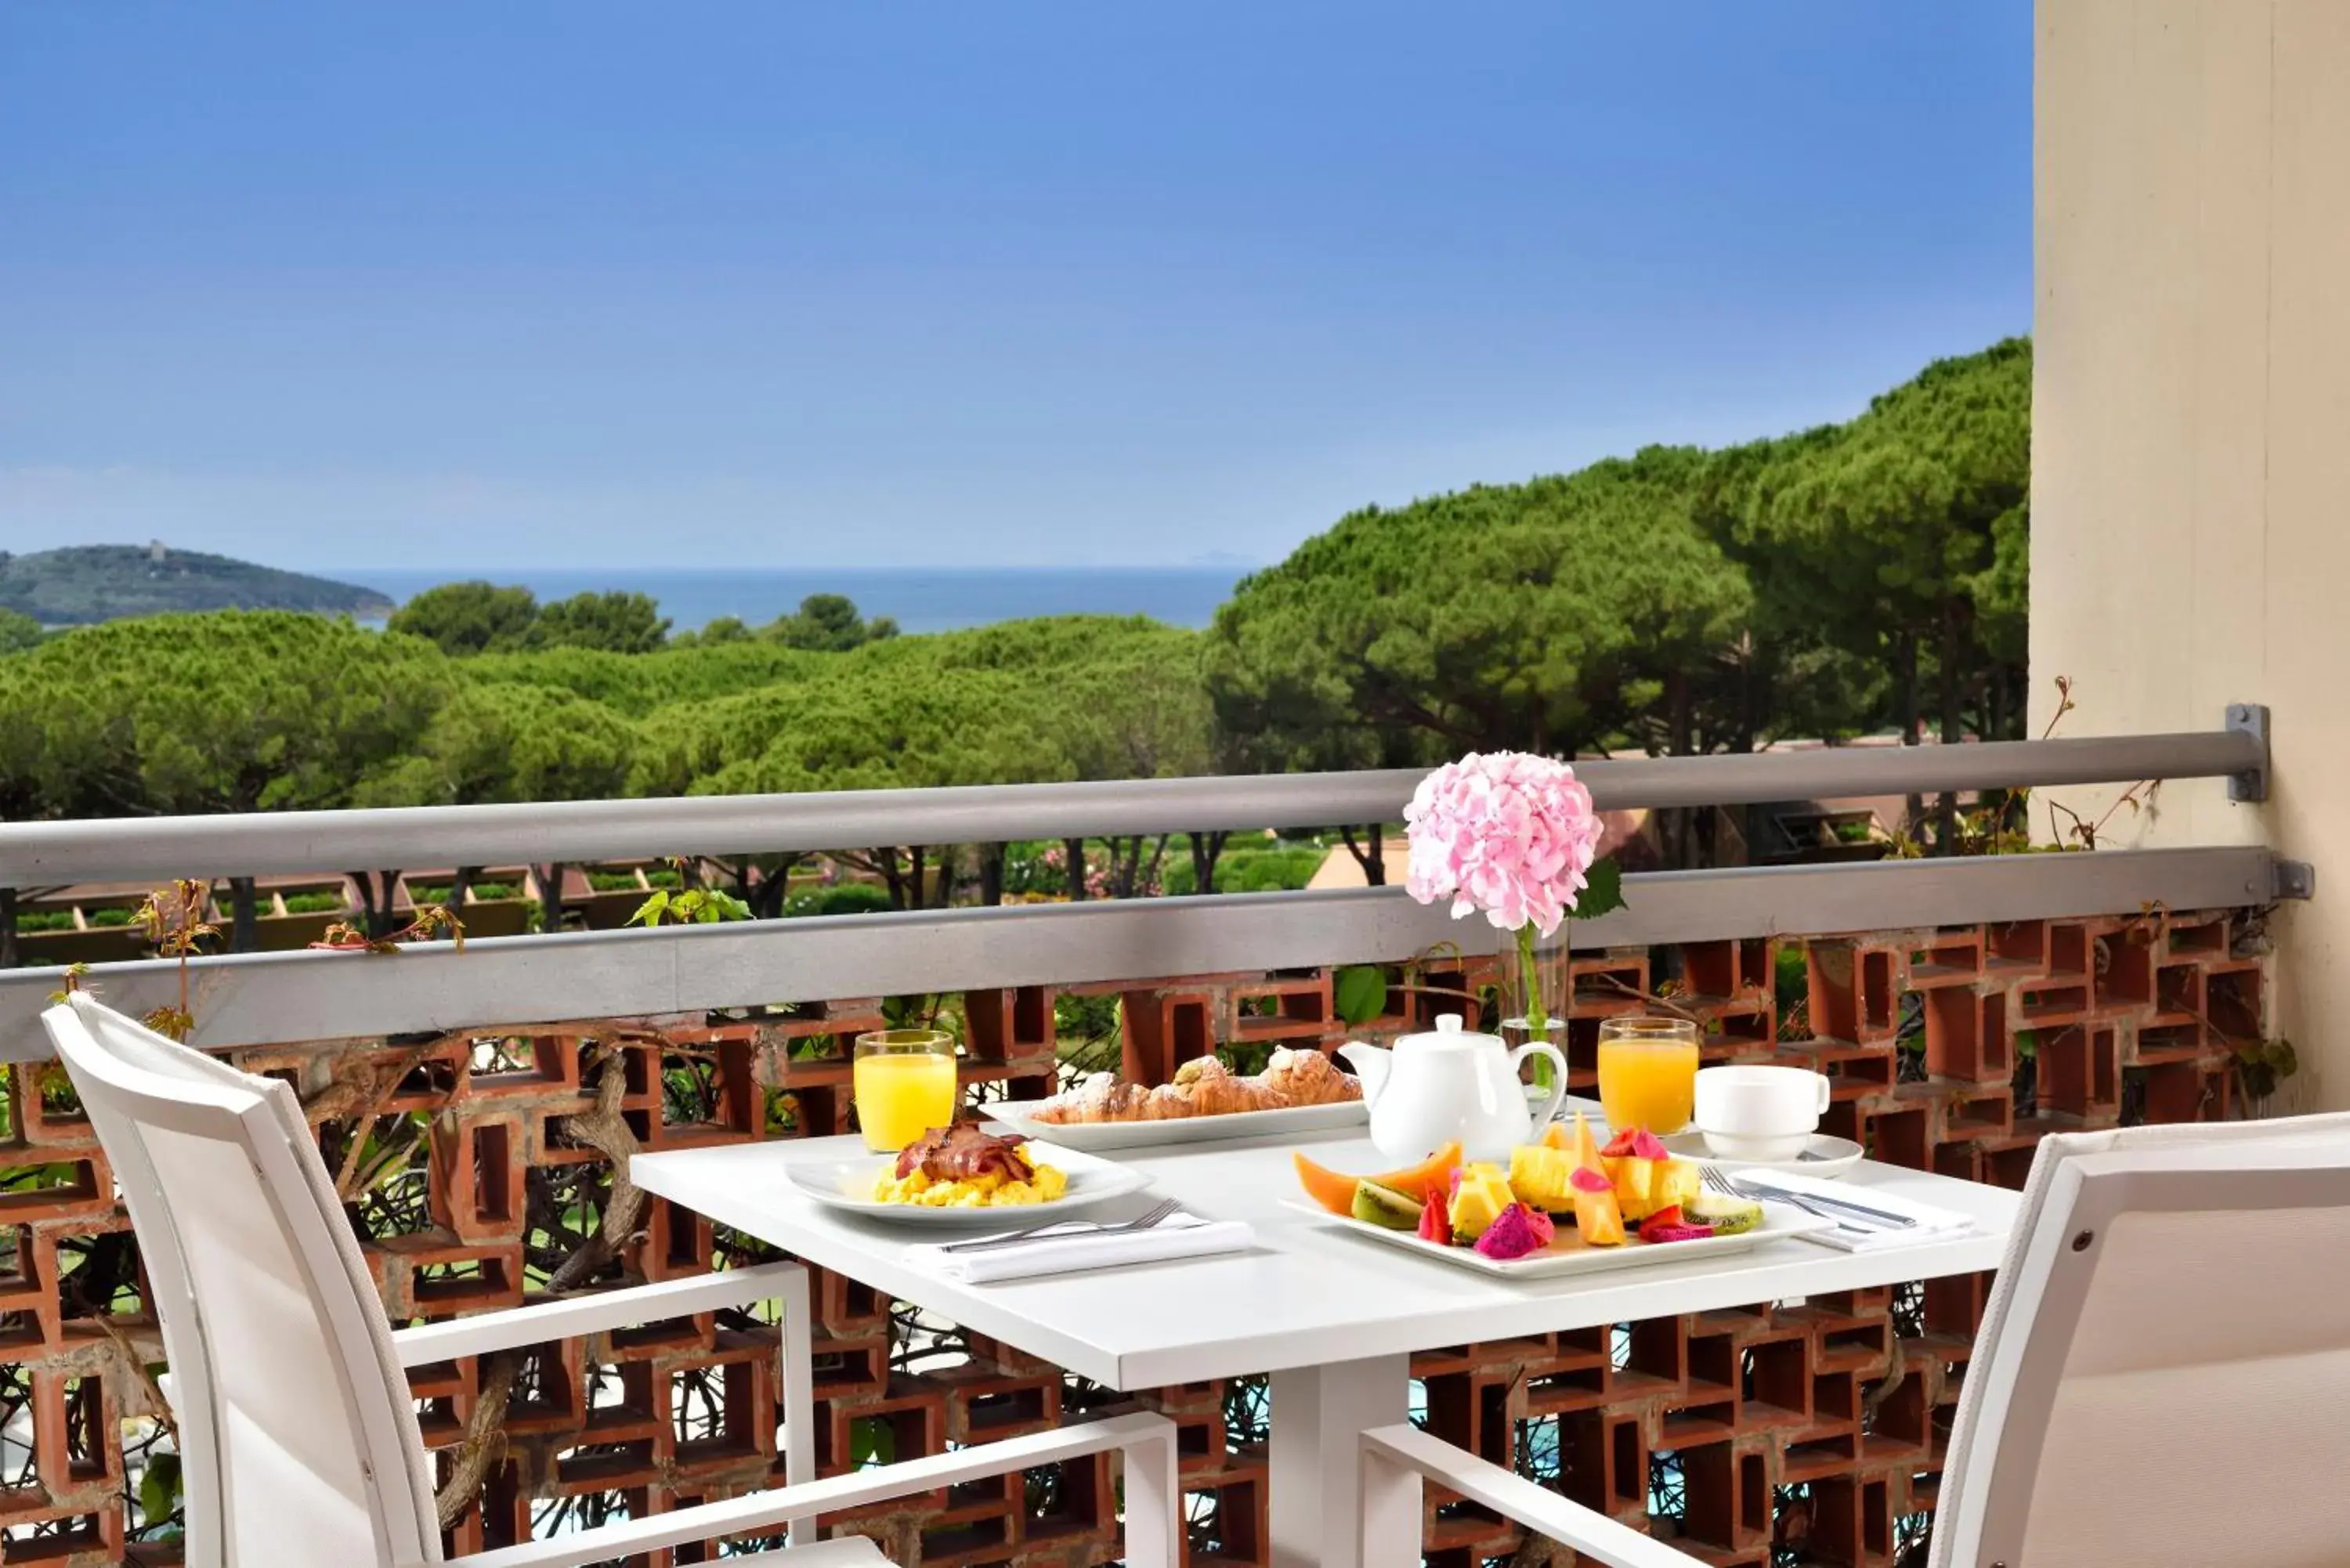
(87, 583)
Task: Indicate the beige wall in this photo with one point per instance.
(2191, 425)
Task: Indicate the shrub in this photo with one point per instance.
(844, 898)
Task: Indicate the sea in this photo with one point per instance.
(917, 599)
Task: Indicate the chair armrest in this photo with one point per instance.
(1153, 1498)
(1396, 1458)
(572, 1316)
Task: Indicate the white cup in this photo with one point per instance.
(1760, 1113)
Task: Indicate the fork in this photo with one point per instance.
(1715, 1181)
(1157, 1214)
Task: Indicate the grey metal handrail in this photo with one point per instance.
(257, 998)
(44, 853)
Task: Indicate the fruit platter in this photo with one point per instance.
(1564, 1205)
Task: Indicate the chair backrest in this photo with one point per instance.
(298, 1439)
(2162, 1374)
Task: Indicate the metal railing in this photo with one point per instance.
(267, 843)
(253, 999)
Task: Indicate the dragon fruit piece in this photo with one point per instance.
(1587, 1180)
(1514, 1233)
(1675, 1232)
(1647, 1145)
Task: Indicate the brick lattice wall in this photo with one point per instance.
(1772, 1434)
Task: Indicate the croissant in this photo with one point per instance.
(1206, 1087)
(1167, 1103)
(1307, 1078)
(1100, 1099)
(1220, 1093)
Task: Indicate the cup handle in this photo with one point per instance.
(1826, 1089)
(1558, 1085)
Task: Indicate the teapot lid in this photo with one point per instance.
(1448, 1035)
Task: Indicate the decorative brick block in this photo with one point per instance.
(1952, 1049)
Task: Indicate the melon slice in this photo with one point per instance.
(1598, 1218)
(1431, 1175)
(1330, 1188)
(1586, 1146)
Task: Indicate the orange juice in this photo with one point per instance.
(1647, 1074)
(903, 1094)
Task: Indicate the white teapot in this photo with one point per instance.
(1451, 1085)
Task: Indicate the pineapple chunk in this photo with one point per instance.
(1636, 1182)
(1645, 1186)
(1479, 1200)
(1539, 1174)
(1676, 1182)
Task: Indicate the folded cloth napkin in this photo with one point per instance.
(1933, 1224)
(1079, 1246)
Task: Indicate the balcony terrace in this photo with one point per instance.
(479, 1107)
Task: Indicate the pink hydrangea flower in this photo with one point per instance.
(1504, 832)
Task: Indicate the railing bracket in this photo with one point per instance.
(2294, 880)
(2253, 784)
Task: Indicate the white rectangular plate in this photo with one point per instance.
(847, 1184)
(1569, 1255)
(1101, 1137)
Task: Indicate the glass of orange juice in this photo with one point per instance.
(1647, 1073)
(905, 1081)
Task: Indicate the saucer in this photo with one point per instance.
(1824, 1157)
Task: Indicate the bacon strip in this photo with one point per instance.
(963, 1153)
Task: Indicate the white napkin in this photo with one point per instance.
(1934, 1223)
(1078, 1246)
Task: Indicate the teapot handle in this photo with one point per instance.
(1558, 1083)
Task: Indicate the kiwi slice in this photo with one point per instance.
(1728, 1216)
(1386, 1207)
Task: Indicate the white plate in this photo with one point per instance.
(847, 1184)
(1103, 1136)
(1824, 1157)
(1569, 1255)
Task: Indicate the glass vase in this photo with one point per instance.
(1532, 992)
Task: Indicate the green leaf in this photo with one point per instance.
(2027, 1044)
(1603, 892)
(650, 912)
(1359, 992)
(871, 1441)
(158, 1488)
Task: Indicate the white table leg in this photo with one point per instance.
(1319, 1414)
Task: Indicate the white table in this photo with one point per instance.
(1333, 1317)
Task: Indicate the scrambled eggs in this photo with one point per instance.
(1046, 1186)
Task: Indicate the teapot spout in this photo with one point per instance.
(1371, 1063)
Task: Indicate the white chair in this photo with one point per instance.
(298, 1439)
(2159, 1382)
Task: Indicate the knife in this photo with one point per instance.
(1826, 1201)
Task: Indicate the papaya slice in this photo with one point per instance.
(1334, 1189)
(1327, 1188)
(1588, 1155)
(1431, 1175)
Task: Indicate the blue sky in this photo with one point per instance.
(783, 285)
